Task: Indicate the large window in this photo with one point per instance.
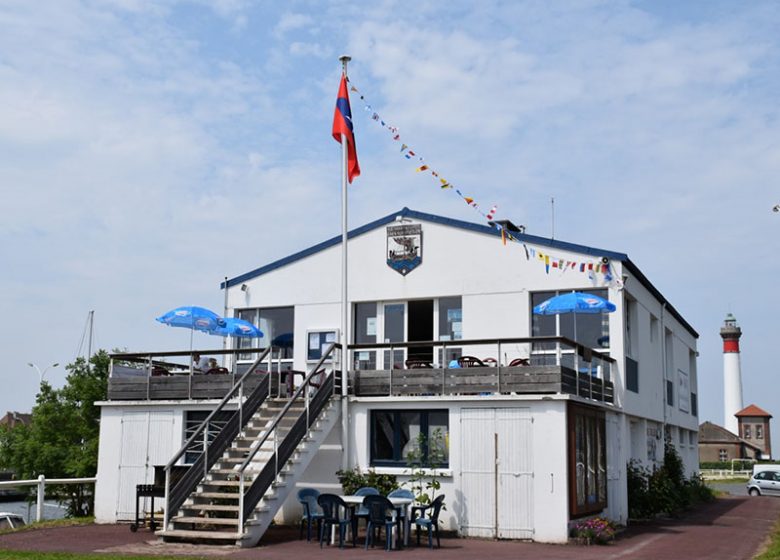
(193, 419)
(587, 461)
(592, 329)
(277, 324)
(394, 434)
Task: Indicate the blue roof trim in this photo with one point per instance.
(469, 226)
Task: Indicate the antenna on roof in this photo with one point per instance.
(552, 211)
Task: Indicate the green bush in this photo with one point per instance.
(664, 490)
(353, 479)
(726, 465)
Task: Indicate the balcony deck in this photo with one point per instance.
(557, 366)
(481, 380)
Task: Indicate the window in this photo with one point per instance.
(723, 455)
(694, 405)
(746, 431)
(193, 419)
(450, 318)
(759, 432)
(653, 328)
(592, 329)
(365, 333)
(681, 435)
(277, 324)
(587, 460)
(632, 375)
(394, 435)
(631, 311)
(669, 393)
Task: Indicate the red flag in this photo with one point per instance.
(342, 124)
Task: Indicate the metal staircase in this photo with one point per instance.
(235, 488)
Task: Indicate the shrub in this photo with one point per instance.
(353, 479)
(664, 490)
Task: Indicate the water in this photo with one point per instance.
(51, 510)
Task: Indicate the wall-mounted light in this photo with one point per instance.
(244, 288)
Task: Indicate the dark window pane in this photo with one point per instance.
(409, 428)
(277, 324)
(365, 323)
(450, 318)
(384, 436)
(394, 322)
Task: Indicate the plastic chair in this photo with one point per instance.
(311, 510)
(402, 493)
(431, 522)
(469, 361)
(520, 362)
(332, 506)
(380, 513)
(365, 491)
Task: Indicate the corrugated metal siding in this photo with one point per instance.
(497, 473)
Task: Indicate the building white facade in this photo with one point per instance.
(520, 465)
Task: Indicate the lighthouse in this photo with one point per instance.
(732, 374)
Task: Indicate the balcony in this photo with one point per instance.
(528, 366)
(541, 365)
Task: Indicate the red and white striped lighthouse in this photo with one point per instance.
(732, 374)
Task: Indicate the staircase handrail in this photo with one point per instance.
(271, 429)
(218, 408)
(314, 371)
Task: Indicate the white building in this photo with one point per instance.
(530, 447)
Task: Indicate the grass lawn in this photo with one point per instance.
(773, 549)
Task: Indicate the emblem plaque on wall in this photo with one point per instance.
(404, 247)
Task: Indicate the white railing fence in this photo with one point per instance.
(41, 483)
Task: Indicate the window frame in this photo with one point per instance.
(398, 460)
(595, 422)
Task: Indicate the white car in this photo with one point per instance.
(764, 483)
(10, 521)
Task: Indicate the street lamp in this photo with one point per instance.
(42, 373)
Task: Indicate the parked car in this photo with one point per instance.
(764, 483)
(10, 521)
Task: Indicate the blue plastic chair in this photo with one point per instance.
(362, 512)
(431, 522)
(402, 493)
(311, 510)
(380, 514)
(332, 507)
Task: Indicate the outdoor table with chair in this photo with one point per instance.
(333, 514)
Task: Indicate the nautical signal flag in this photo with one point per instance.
(342, 124)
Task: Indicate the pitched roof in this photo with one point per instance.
(753, 410)
(712, 433)
(468, 226)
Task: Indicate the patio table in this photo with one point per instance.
(398, 503)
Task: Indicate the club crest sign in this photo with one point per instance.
(404, 247)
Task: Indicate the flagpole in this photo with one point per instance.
(344, 299)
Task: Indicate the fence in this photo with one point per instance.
(41, 484)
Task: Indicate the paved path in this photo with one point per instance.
(732, 528)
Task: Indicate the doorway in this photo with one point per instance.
(419, 326)
(497, 473)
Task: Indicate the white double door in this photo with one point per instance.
(146, 440)
(496, 473)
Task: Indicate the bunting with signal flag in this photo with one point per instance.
(342, 124)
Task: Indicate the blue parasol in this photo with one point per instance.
(237, 327)
(192, 317)
(574, 302)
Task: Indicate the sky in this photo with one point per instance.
(148, 149)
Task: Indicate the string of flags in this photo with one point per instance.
(551, 262)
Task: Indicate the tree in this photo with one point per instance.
(62, 438)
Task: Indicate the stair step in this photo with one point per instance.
(205, 520)
(189, 534)
(209, 507)
(217, 495)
